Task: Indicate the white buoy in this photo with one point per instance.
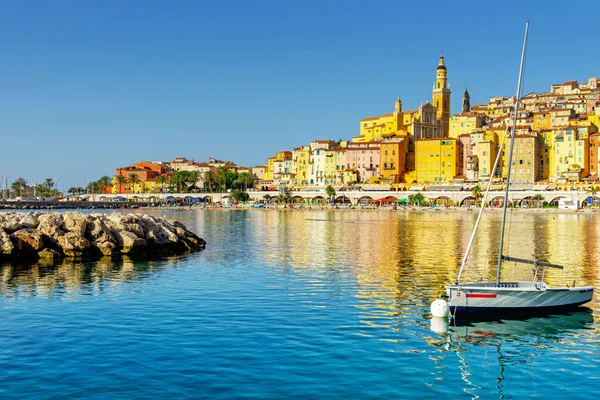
(439, 308)
(439, 324)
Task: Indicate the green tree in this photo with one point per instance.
(120, 181)
(330, 191)
(181, 179)
(239, 195)
(477, 193)
(19, 186)
(103, 183)
(210, 180)
(417, 198)
(282, 199)
(194, 178)
(72, 190)
(48, 184)
(538, 198)
(133, 179)
(162, 180)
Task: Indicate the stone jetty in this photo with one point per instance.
(72, 234)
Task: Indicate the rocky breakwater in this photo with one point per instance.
(72, 234)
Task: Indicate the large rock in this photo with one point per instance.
(50, 225)
(158, 231)
(128, 242)
(73, 245)
(6, 246)
(99, 236)
(30, 220)
(75, 222)
(10, 222)
(27, 240)
(51, 235)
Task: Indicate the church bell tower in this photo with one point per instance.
(466, 104)
(441, 95)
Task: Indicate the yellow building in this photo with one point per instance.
(301, 156)
(374, 128)
(330, 166)
(571, 156)
(542, 120)
(546, 156)
(436, 159)
(525, 159)
(270, 172)
(464, 123)
(430, 120)
(441, 95)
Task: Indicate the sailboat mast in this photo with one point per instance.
(510, 154)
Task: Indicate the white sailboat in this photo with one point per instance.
(497, 298)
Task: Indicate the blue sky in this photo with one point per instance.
(88, 86)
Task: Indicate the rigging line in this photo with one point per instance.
(510, 154)
(483, 202)
(510, 214)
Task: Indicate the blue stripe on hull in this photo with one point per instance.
(500, 312)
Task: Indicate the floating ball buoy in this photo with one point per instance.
(439, 308)
(439, 324)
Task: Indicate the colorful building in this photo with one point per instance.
(437, 160)
(147, 176)
(393, 159)
(364, 159)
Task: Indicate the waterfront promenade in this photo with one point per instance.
(459, 198)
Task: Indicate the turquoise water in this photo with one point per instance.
(302, 304)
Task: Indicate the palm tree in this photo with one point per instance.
(72, 190)
(48, 184)
(476, 191)
(239, 195)
(103, 183)
(179, 180)
(538, 198)
(120, 180)
(281, 198)
(417, 198)
(133, 179)
(194, 177)
(19, 186)
(222, 175)
(161, 180)
(210, 179)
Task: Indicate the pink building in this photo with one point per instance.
(364, 158)
(464, 152)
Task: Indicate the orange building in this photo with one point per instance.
(145, 170)
(393, 159)
(593, 156)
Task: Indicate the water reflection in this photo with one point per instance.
(393, 263)
(485, 352)
(71, 276)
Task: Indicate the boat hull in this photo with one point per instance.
(516, 298)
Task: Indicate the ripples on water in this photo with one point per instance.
(295, 305)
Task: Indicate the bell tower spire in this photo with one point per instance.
(441, 95)
(466, 103)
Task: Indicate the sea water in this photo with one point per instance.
(301, 304)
